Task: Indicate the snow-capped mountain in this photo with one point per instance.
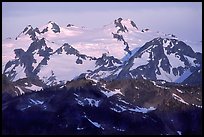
(137, 81)
(162, 59)
(52, 54)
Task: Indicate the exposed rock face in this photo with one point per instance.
(55, 28)
(168, 56)
(160, 58)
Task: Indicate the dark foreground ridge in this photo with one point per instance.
(84, 106)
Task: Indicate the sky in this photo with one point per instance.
(183, 19)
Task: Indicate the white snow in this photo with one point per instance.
(136, 87)
(127, 56)
(92, 102)
(95, 123)
(80, 128)
(34, 87)
(92, 42)
(190, 60)
(54, 46)
(197, 105)
(25, 107)
(10, 68)
(38, 59)
(123, 101)
(142, 110)
(65, 67)
(198, 99)
(8, 46)
(144, 77)
(166, 42)
(103, 74)
(61, 86)
(179, 99)
(163, 82)
(159, 86)
(20, 73)
(76, 94)
(21, 91)
(94, 80)
(135, 109)
(36, 102)
(165, 75)
(180, 91)
(123, 108)
(79, 102)
(44, 107)
(109, 93)
(118, 111)
(140, 61)
(162, 87)
(179, 132)
(174, 60)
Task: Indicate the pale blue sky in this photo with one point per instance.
(181, 19)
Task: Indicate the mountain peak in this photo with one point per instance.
(50, 22)
(124, 24)
(51, 26)
(27, 29)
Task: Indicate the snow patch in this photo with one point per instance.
(158, 85)
(21, 91)
(20, 73)
(197, 105)
(79, 102)
(34, 87)
(179, 99)
(80, 128)
(95, 123)
(198, 99)
(25, 108)
(136, 87)
(166, 43)
(140, 60)
(123, 101)
(76, 94)
(143, 110)
(116, 110)
(180, 91)
(92, 102)
(179, 132)
(36, 102)
(110, 93)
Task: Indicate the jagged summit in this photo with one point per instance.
(51, 26)
(124, 25)
(131, 53)
(27, 29)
